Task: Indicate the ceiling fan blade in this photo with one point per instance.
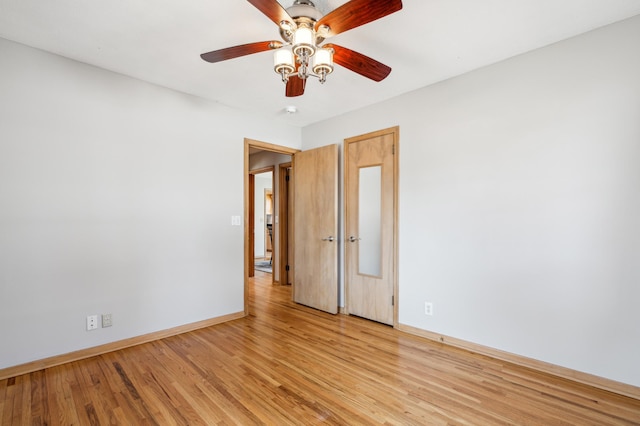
(357, 12)
(295, 86)
(273, 10)
(242, 50)
(359, 63)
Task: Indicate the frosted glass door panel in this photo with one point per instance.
(369, 219)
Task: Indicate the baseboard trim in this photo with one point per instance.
(541, 366)
(53, 361)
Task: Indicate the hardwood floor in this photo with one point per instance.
(289, 365)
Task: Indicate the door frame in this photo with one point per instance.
(395, 131)
(248, 255)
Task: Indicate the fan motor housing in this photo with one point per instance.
(304, 9)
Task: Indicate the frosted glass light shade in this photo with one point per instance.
(283, 61)
(304, 41)
(323, 61)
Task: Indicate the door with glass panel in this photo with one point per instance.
(370, 225)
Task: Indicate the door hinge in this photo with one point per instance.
(287, 178)
(286, 268)
(392, 300)
(393, 150)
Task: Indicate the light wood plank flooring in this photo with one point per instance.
(291, 365)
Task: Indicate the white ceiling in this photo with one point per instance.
(426, 42)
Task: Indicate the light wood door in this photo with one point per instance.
(370, 225)
(315, 257)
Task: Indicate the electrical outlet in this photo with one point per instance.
(92, 322)
(428, 308)
(106, 320)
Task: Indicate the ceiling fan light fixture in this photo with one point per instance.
(304, 42)
(283, 62)
(322, 63)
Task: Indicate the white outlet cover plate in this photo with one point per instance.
(92, 322)
(428, 308)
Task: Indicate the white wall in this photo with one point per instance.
(116, 196)
(520, 202)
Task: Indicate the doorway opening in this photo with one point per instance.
(273, 233)
(261, 218)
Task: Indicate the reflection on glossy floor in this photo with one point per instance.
(287, 364)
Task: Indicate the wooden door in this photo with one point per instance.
(315, 217)
(285, 225)
(251, 223)
(370, 225)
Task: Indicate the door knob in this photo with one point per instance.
(329, 238)
(354, 239)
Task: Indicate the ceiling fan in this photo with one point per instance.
(303, 29)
